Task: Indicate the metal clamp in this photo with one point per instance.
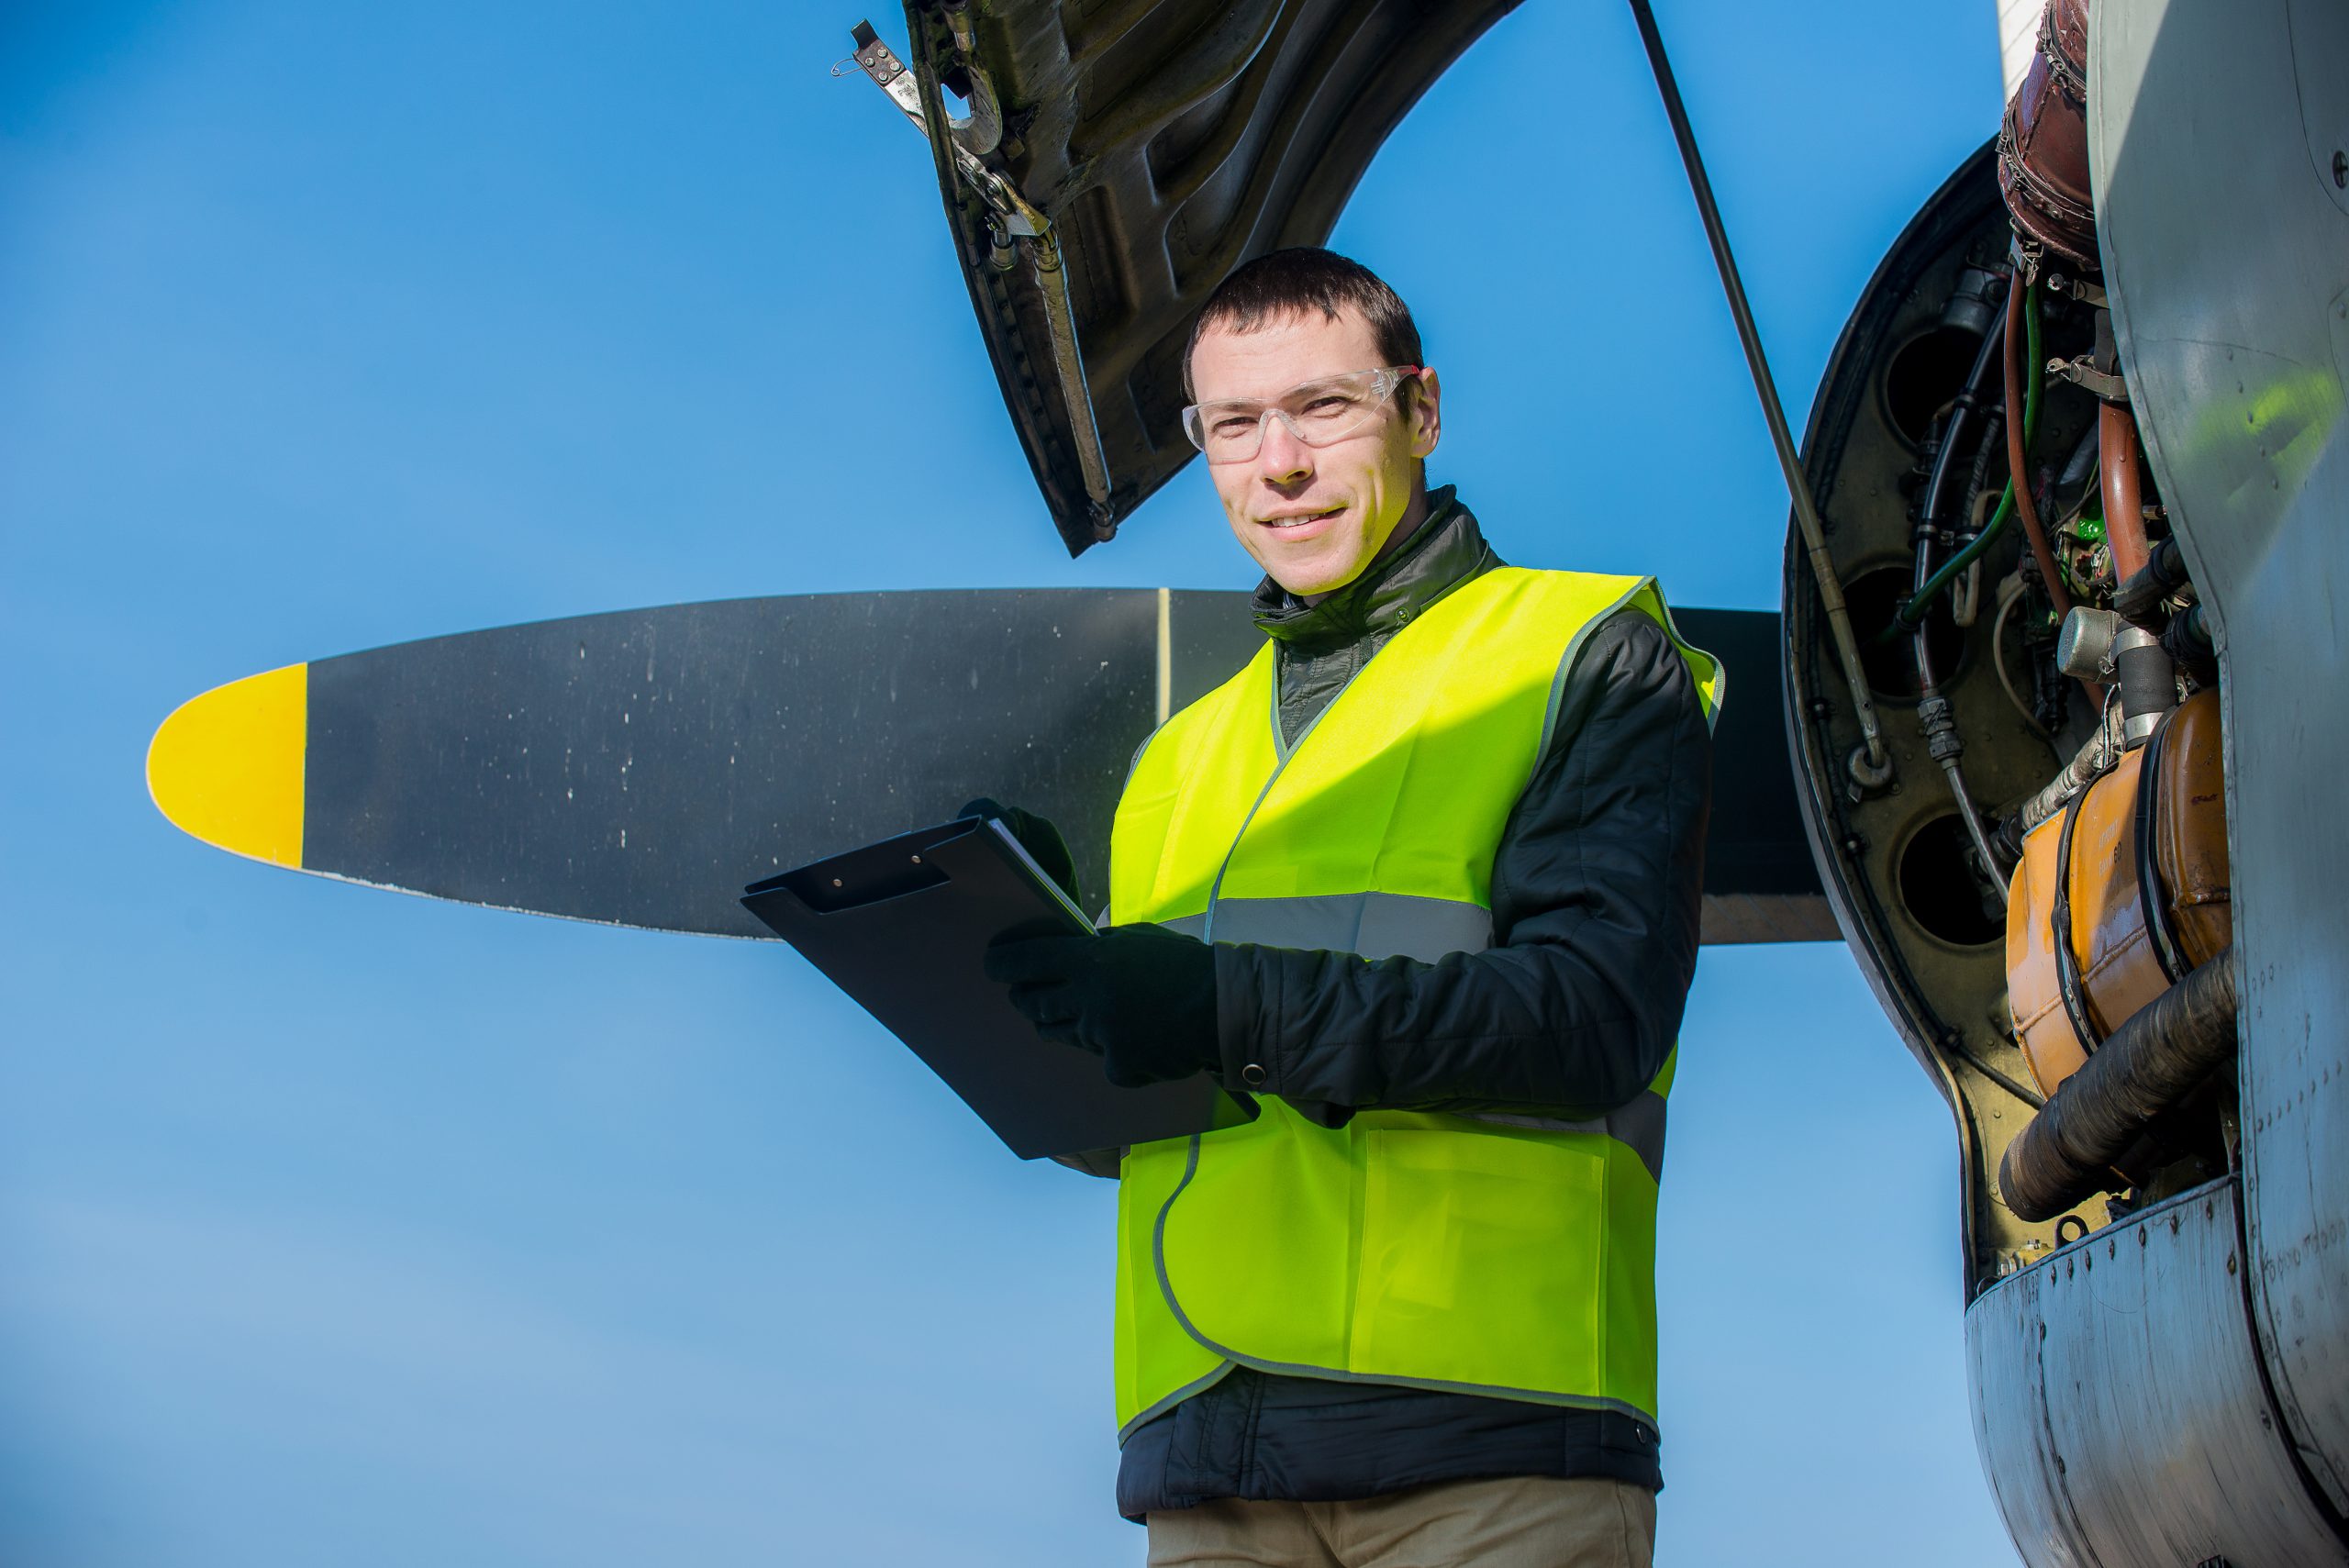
(2069, 77)
(2080, 289)
(2082, 372)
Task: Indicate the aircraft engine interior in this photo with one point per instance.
(2048, 668)
(2037, 852)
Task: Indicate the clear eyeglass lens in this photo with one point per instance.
(1318, 413)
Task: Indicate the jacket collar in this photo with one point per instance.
(1448, 549)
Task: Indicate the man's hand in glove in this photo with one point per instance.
(1140, 997)
(1039, 838)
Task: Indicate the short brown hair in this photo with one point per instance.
(1300, 282)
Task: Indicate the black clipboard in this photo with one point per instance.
(902, 927)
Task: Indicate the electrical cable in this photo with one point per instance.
(2017, 457)
(1971, 820)
(1965, 590)
(1942, 742)
(2011, 594)
(1969, 401)
(1945, 746)
(2008, 504)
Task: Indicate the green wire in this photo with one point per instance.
(1914, 610)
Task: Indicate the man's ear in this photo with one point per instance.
(1426, 414)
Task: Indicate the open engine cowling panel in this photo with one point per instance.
(1167, 143)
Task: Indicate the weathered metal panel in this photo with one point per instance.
(2219, 135)
(2119, 1412)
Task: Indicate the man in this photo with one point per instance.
(1421, 882)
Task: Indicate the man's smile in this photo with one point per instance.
(1302, 524)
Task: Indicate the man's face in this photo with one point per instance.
(1314, 517)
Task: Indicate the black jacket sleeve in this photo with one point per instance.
(1595, 889)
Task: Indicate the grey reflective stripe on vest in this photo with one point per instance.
(1384, 925)
(1376, 925)
(1638, 1126)
(1573, 652)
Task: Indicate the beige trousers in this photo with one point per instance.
(1520, 1522)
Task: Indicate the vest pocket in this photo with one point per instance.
(1481, 1261)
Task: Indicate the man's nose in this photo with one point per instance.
(1284, 457)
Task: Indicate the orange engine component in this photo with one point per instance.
(2125, 949)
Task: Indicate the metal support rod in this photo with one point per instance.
(1878, 768)
(1060, 322)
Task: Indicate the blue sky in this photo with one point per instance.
(341, 1226)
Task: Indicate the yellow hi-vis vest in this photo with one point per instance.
(1495, 1255)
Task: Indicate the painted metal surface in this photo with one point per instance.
(638, 768)
(2089, 853)
(2117, 1409)
(2226, 239)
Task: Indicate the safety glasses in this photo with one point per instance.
(1317, 413)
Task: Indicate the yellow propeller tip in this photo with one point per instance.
(226, 766)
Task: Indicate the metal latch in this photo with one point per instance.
(1012, 218)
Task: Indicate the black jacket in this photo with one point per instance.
(1570, 1013)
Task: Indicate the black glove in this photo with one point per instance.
(1140, 997)
(1039, 838)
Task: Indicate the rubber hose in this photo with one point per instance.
(2124, 511)
(2187, 642)
(2159, 1055)
(2018, 477)
(2139, 599)
(2147, 677)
